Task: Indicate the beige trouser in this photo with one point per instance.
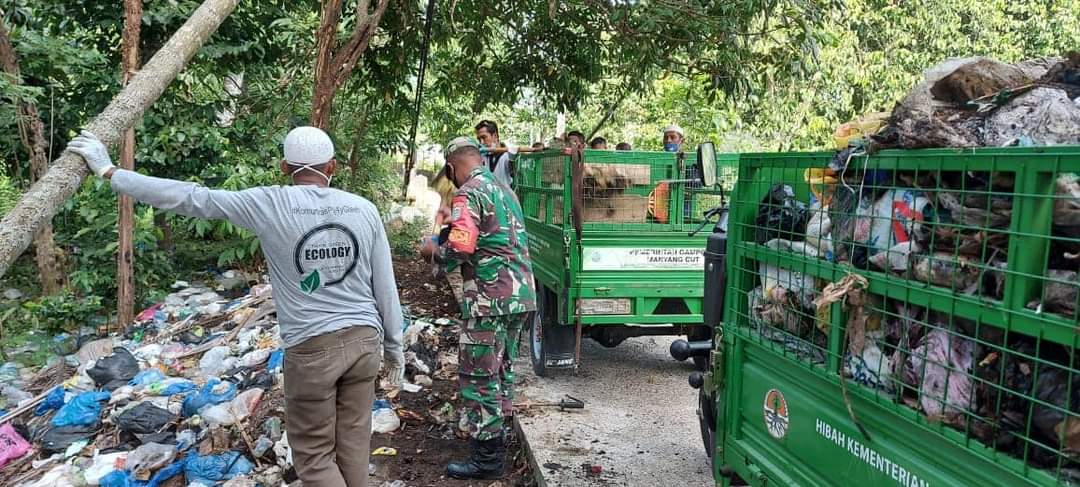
(329, 390)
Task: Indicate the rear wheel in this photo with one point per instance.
(552, 344)
(536, 335)
(707, 421)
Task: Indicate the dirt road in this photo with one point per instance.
(639, 426)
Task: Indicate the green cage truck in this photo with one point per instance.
(907, 318)
(608, 238)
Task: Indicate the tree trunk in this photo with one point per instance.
(333, 66)
(125, 274)
(32, 132)
(45, 197)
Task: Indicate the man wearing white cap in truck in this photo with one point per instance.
(333, 284)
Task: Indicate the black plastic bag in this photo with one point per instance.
(60, 438)
(145, 418)
(780, 215)
(114, 371)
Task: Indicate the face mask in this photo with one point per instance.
(309, 167)
(671, 147)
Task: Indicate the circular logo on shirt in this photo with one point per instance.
(776, 414)
(325, 255)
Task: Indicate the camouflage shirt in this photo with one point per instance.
(488, 240)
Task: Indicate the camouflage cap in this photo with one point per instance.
(461, 142)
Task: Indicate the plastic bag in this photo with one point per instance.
(214, 392)
(257, 357)
(214, 362)
(144, 418)
(104, 465)
(780, 215)
(83, 410)
(277, 357)
(147, 377)
(60, 476)
(383, 418)
(185, 439)
(117, 478)
(60, 438)
(234, 411)
(166, 474)
(211, 469)
(150, 457)
(941, 366)
(12, 445)
(114, 371)
(13, 395)
(171, 387)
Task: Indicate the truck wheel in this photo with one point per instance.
(707, 420)
(550, 342)
(536, 336)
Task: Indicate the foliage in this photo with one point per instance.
(9, 194)
(405, 239)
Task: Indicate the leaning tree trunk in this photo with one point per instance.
(125, 222)
(48, 256)
(45, 197)
(334, 66)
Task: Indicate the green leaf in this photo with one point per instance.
(311, 282)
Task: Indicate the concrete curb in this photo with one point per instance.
(538, 473)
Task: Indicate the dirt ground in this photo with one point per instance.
(424, 444)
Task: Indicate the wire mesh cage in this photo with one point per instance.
(622, 190)
(938, 282)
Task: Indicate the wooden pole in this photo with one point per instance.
(125, 275)
(38, 205)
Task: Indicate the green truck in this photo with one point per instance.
(907, 318)
(613, 258)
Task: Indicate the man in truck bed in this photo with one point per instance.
(487, 240)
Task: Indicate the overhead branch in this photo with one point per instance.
(64, 177)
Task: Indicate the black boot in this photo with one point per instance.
(486, 462)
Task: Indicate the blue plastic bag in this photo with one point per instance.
(83, 410)
(211, 469)
(179, 388)
(277, 357)
(116, 478)
(147, 377)
(207, 397)
(55, 400)
(163, 475)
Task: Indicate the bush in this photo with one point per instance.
(405, 239)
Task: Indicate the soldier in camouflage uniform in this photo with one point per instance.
(487, 241)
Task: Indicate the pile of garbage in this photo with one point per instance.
(981, 102)
(190, 394)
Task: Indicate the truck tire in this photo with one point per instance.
(548, 339)
(707, 421)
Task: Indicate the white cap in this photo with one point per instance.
(308, 146)
(674, 128)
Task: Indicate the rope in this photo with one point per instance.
(429, 15)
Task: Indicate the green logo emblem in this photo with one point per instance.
(310, 283)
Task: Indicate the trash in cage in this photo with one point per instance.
(940, 368)
(781, 215)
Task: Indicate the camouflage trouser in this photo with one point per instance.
(489, 345)
(456, 284)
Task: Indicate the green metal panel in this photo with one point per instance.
(1000, 258)
(542, 183)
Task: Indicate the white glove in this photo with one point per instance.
(93, 151)
(394, 363)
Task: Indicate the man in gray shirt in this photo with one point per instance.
(333, 282)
